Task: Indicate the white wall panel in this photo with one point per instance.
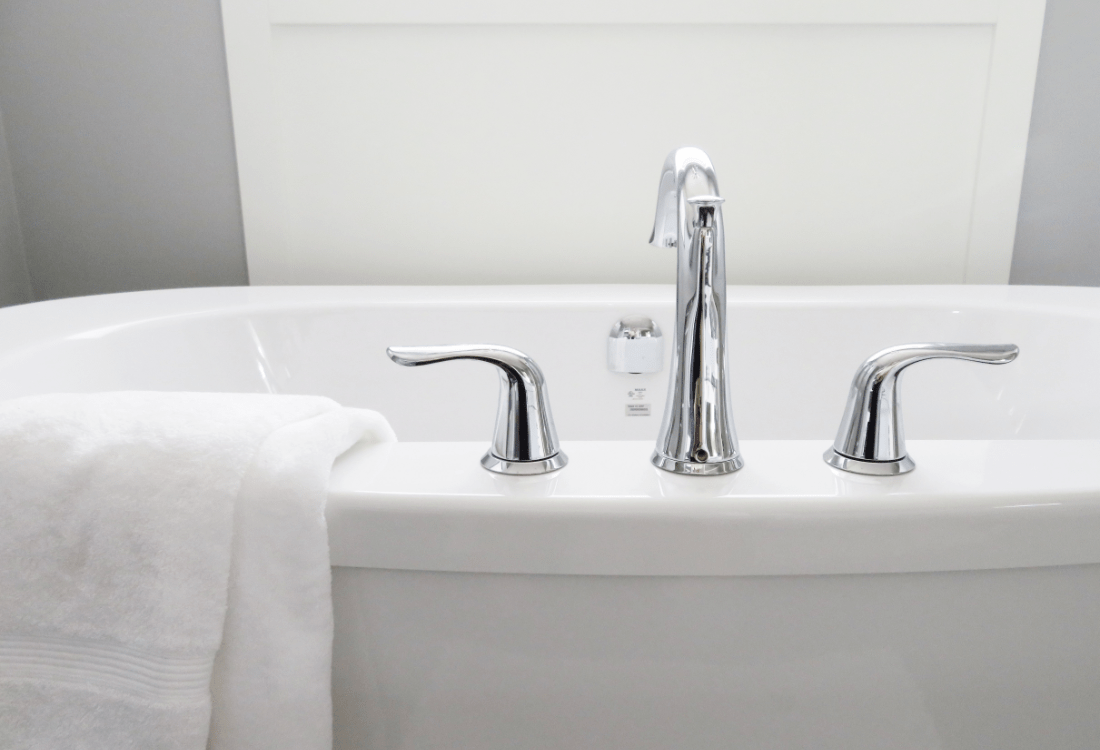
(857, 146)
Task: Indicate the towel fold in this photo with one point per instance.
(157, 549)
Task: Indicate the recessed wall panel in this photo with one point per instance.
(521, 153)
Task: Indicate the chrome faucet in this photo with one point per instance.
(525, 441)
(871, 439)
(697, 435)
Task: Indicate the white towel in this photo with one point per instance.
(128, 522)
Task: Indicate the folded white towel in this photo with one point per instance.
(125, 521)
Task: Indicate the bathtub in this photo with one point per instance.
(613, 605)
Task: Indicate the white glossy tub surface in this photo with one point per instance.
(789, 605)
(974, 505)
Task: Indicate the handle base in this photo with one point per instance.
(523, 468)
(697, 468)
(903, 465)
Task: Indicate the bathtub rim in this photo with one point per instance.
(29, 326)
(25, 329)
(976, 506)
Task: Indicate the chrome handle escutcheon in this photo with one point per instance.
(871, 439)
(525, 441)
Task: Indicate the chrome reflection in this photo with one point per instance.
(871, 439)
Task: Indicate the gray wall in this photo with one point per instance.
(121, 148)
(1058, 232)
(120, 140)
(15, 282)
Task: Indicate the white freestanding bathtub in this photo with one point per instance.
(612, 605)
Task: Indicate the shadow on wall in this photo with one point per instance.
(15, 282)
(120, 141)
(1058, 230)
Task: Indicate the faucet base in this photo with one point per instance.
(903, 465)
(697, 468)
(500, 465)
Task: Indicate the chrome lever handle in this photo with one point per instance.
(871, 439)
(524, 441)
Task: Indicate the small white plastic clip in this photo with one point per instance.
(635, 346)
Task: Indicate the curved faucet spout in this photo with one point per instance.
(697, 434)
(687, 174)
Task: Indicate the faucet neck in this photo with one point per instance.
(697, 435)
